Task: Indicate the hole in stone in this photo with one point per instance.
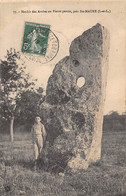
(80, 81)
(76, 63)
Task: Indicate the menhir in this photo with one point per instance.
(73, 112)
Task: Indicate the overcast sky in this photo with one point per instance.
(67, 27)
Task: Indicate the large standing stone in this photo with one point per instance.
(73, 114)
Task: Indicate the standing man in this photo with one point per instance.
(38, 137)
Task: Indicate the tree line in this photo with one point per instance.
(114, 121)
(20, 100)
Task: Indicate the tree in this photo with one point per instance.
(113, 113)
(29, 105)
(14, 81)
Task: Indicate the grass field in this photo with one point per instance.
(104, 178)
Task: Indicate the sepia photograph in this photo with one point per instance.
(62, 98)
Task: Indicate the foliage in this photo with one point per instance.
(29, 105)
(14, 81)
(114, 121)
(19, 100)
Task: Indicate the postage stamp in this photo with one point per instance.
(39, 44)
(35, 38)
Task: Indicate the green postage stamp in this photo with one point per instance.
(35, 40)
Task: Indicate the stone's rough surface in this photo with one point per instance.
(73, 115)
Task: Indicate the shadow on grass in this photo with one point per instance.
(28, 164)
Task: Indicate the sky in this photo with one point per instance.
(66, 27)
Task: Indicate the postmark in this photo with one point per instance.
(39, 44)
